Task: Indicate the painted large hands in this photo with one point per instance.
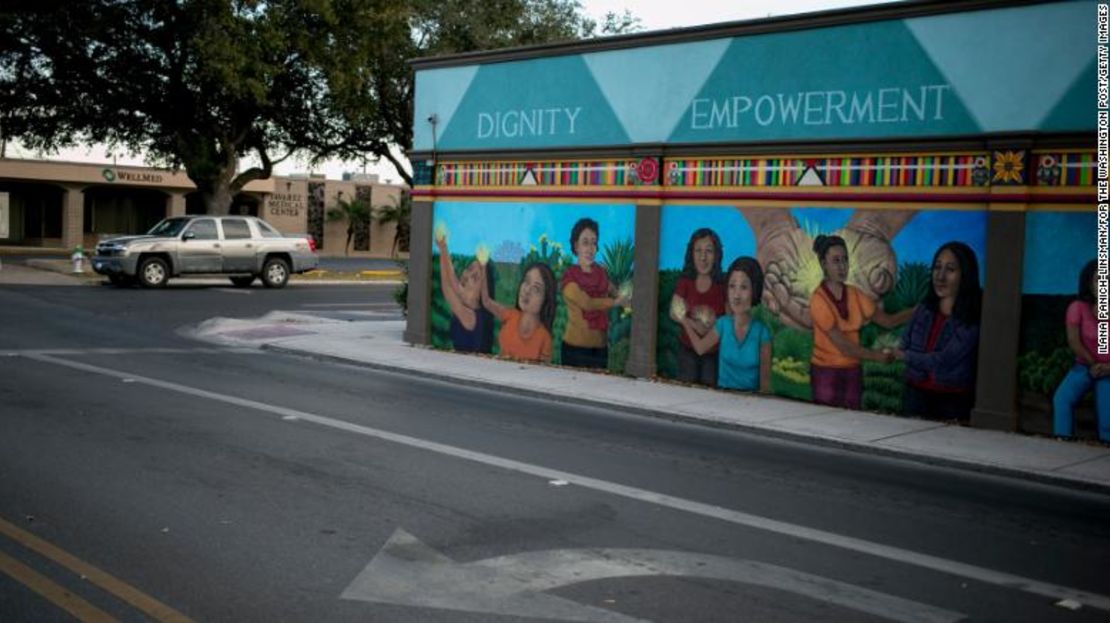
(874, 266)
(784, 251)
(792, 271)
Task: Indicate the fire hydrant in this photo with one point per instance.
(78, 259)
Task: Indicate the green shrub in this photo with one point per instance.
(914, 281)
(792, 343)
(617, 259)
(1042, 374)
(666, 342)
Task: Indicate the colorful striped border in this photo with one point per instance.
(962, 170)
(1064, 169)
(1058, 177)
(554, 173)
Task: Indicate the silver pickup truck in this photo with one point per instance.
(242, 247)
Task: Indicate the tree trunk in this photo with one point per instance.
(217, 200)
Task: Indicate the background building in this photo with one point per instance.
(50, 204)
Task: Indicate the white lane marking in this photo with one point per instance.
(123, 351)
(512, 585)
(888, 552)
(234, 290)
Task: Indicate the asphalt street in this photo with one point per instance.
(147, 476)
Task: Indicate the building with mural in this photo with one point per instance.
(885, 208)
(60, 205)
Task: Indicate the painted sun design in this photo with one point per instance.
(1008, 167)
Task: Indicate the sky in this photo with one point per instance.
(653, 14)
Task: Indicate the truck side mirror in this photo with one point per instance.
(189, 235)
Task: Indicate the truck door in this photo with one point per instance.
(199, 251)
(239, 247)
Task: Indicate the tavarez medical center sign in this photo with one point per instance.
(1025, 68)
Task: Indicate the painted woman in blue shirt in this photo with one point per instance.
(744, 354)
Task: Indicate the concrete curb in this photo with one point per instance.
(1038, 476)
(65, 267)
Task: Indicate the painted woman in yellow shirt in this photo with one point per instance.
(588, 295)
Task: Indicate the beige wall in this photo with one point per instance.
(287, 207)
(283, 201)
(335, 232)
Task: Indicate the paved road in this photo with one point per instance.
(245, 486)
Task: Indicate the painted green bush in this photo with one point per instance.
(617, 259)
(666, 342)
(883, 384)
(1045, 357)
(914, 279)
(1042, 372)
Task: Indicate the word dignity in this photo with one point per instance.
(522, 123)
(894, 105)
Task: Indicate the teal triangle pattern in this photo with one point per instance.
(1011, 66)
(440, 91)
(1075, 111)
(649, 88)
(825, 83)
(546, 102)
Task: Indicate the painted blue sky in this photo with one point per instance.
(521, 223)
(917, 242)
(1057, 245)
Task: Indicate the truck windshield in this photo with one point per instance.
(168, 227)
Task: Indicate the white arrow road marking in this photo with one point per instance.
(407, 572)
(897, 554)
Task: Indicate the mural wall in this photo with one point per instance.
(1064, 383)
(833, 305)
(539, 282)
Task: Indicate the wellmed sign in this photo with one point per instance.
(134, 177)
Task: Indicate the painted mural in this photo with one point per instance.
(1063, 381)
(541, 282)
(871, 309)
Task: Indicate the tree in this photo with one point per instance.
(201, 84)
(399, 212)
(197, 84)
(356, 212)
(441, 27)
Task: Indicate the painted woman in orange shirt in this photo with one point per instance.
(526, 329)
(839, 311)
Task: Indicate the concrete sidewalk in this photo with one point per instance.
(17, 274)
(378, 344)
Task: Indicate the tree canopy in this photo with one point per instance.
(201, 84)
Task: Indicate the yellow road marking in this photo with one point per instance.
(147, 604)
(57, 595)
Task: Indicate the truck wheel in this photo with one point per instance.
(153, 272)
(242, 281)
(275, 273)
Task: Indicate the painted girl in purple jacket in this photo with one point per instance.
(941, 343)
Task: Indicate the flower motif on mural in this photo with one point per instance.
(1048, 170)
(1008, 167)
(648, 170)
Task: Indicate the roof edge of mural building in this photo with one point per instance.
(782, 23)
